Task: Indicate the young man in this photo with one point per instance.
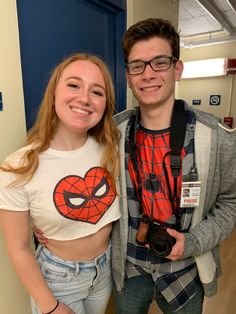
(166, 245)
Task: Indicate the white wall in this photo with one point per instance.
(13, 298)
(12, 119)
(143, 9)
(202, 88)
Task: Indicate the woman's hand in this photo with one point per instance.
(39, 235)
(63, 309)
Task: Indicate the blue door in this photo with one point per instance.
(49, 30)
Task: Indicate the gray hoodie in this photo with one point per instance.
(215, 217)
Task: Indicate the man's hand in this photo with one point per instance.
(178, 248)
(39, 235)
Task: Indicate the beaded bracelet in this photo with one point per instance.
(53, 308)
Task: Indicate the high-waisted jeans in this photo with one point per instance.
(84, 286)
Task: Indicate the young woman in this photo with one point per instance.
(65, 180)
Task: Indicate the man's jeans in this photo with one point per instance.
(84, 286)
(140, 291)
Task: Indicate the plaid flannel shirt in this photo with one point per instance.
(177, 281)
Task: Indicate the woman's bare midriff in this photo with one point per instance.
(82, 249)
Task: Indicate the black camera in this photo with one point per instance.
(154, 233)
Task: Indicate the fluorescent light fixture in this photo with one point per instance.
(205, 68)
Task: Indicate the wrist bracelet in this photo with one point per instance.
(53, 308)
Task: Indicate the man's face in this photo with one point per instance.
(153, 88)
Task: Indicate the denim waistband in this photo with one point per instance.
(42, 253)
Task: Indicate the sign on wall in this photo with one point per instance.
(196, 102)
(215, 100)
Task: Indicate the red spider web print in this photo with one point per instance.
(84, 198)
(152, 148)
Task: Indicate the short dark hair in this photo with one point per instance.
(149, 28)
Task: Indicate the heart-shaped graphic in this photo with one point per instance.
(84, 199)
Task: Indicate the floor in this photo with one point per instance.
(225, 300)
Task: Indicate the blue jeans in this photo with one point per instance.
(84, 286)
(140, 291)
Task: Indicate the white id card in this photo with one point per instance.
(190, 194)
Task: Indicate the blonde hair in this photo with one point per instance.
(105, 132)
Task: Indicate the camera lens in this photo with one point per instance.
(161, 242)
(160, 246)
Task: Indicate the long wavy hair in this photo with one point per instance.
(40, 135)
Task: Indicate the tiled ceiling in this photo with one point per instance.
(204, 22)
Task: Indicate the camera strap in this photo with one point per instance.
(177, 135)
(134, 152)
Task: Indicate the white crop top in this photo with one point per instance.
(69, 196)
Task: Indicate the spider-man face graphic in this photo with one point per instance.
(84, 199)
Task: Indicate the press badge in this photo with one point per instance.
(190, 194)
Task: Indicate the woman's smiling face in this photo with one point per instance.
(80, 97)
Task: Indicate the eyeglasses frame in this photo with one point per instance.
(171, 58)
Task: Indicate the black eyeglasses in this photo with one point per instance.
(157, 64)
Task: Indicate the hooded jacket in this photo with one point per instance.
(215, 217)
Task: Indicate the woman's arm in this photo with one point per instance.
(16, 230)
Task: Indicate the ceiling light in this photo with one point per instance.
(205, 68)
(185, 43)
